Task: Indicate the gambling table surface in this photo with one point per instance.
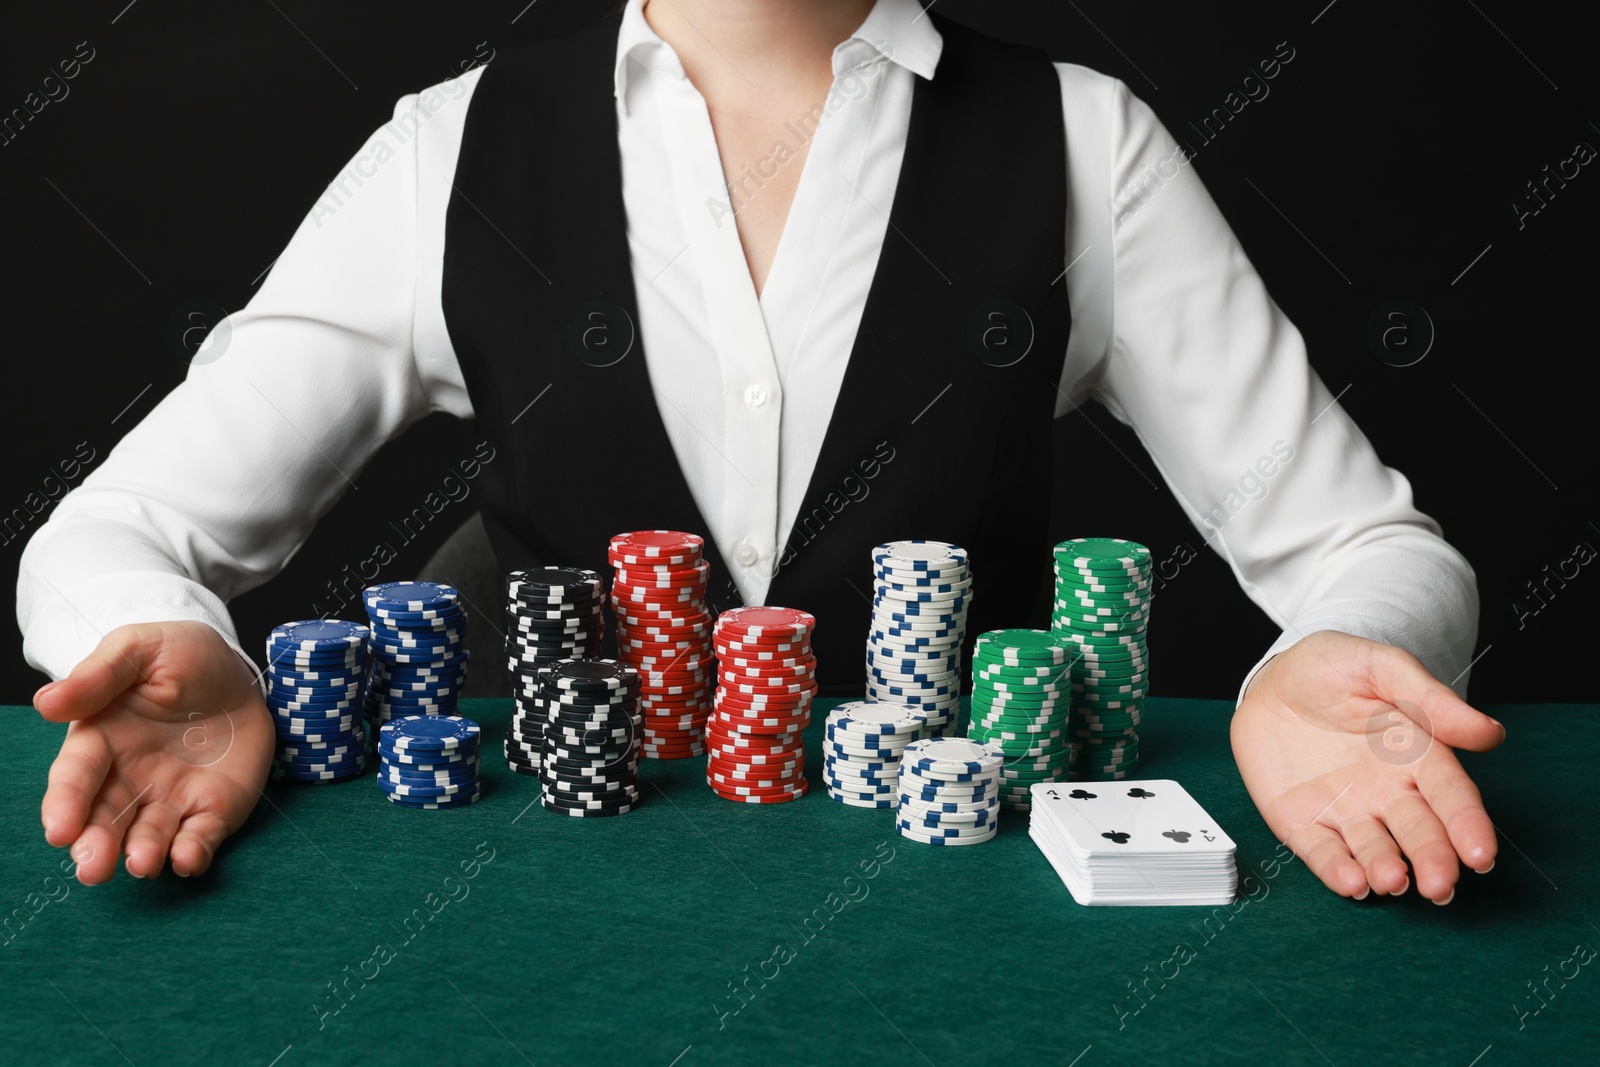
(336, 928)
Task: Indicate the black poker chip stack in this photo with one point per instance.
(589, 763)
(553, 614)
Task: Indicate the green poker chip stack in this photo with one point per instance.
(1021, 701)
(1102, 607)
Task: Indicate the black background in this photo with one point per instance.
(200, 134)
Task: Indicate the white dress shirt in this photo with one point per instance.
(345, 346)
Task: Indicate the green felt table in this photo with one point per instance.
(697, 931)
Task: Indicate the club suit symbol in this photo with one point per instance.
(1180, 836)
(1140, 794)
(1082, 794)
(1116, 836)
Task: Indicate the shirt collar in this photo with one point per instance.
(897, 30)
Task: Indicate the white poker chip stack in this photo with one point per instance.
(949, 791)
(921, 592)
(862, 750)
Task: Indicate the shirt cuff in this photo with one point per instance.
(1385, 623)
(70, 622)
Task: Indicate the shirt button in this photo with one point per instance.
(755, 396)
(746, 555)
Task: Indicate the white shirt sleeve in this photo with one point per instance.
(1192, 352)
(213, 492)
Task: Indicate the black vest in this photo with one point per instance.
(942, 425)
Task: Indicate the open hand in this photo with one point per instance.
(1345, 746)
(167, 751)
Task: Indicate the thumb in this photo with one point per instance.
(1399, 678)
(121, 660)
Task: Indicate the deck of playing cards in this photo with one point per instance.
(1132, 842)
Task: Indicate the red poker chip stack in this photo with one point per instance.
(664, 633)
(766, 677)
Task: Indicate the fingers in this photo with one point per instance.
(1378, 854)
(148, 838)
(100, 845)
(1422, 836)
(118, 662)
(1458, 805)
(1324, 852)
(75, 779)
(1400, 678)
(196, 843)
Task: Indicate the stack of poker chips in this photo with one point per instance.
(1103, 597)
(317, 670)
(419, 650)
(429, 761)
(766, 676)
(948, 791)
(921, 590)
(589, 763)
(1021, 700)
(552, 614)
(862, 749)
(664, 633)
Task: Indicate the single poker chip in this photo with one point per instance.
(585, 811)
(755, 623)
(436, 789)
(411, 619)
(919, 555)
(1027, 674)
(553, 788)
(559, 584)
(456, 800)
(877, 762)
(342, 760)
(430, 733)
(655, 548)
(918, 808)
(410, 596)
(856, 802)
(592, 675)
(933, 820)
(287, 724)
(328, 751)
(920, 832)
(717, 746)
(317, 635)
(764, 798)
(302, 662)
(837, 774)
(733, 766)
(665, 577)
(428, 760)
(390, 774)
(949, 755)
(692, 626)
(1102, 553)
(1020, 647)
(319, 680)
(279, 774)
(943, 838)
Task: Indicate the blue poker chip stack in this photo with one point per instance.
(429, 761)
(317, 674)
(949, 791)
(921, 591)
(419, 650)
(861, 751)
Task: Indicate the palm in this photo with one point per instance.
(1341, 743)
(172, 760)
